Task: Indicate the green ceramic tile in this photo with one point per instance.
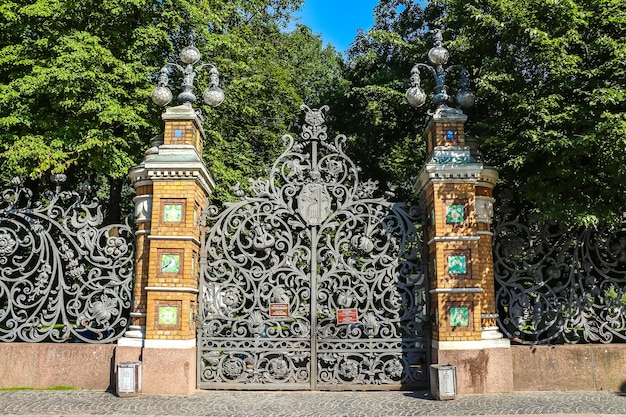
(172, 213)
(457, 264)
(455, 213)
(168, 315)
(170, 263)
(459, 316)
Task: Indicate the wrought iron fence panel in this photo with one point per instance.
(279, 265)
(63, 276)
(560, 285)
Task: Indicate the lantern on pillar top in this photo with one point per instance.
(189, 56)
(438, 55)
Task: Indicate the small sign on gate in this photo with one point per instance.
(279, 309)
(347, 316)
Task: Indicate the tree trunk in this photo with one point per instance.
(114, 209)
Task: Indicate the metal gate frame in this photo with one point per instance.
(312, 238)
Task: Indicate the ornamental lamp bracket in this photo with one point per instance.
(189, 56)
(438, 56)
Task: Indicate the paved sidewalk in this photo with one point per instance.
(300, 404)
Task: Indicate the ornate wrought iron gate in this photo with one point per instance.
(312, 283)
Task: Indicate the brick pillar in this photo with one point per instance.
(172, 186)
(457, 190)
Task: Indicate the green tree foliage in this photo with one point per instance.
(76, 78)
(65, 96)
(384, 133)
(270, 73)
(550, 80)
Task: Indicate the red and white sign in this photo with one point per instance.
(347, 316)
(279, 309)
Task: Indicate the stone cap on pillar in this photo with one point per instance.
(183, 112)
(181, 166)
(444, 113)
(170, 162)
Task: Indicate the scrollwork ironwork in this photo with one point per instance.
(316, 238)
(63, 276)
(560, 285)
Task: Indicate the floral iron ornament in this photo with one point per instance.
(213, 95)
(438, 56)
(64, 276)
(557, 285)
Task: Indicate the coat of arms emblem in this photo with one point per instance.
(313, 204)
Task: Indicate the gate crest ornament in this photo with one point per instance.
(313, 204)
(314, 238)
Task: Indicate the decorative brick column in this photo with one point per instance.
(457, 191)
(172, 187)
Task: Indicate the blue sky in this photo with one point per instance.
(338, 20)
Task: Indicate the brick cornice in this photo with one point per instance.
(173, 163)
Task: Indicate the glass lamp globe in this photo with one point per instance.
(189, 55)
(213, 96)
(438, 55)
(465, 98)
(58, 178)
(415, 96)
(161, 96)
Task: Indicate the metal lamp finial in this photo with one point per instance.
(438, 55)
(190, 55)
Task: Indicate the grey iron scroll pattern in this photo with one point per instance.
(63, 276)
(312, 240)
(559, 285)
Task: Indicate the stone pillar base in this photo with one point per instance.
(483, 366)
(168, 367)
(491, 333)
